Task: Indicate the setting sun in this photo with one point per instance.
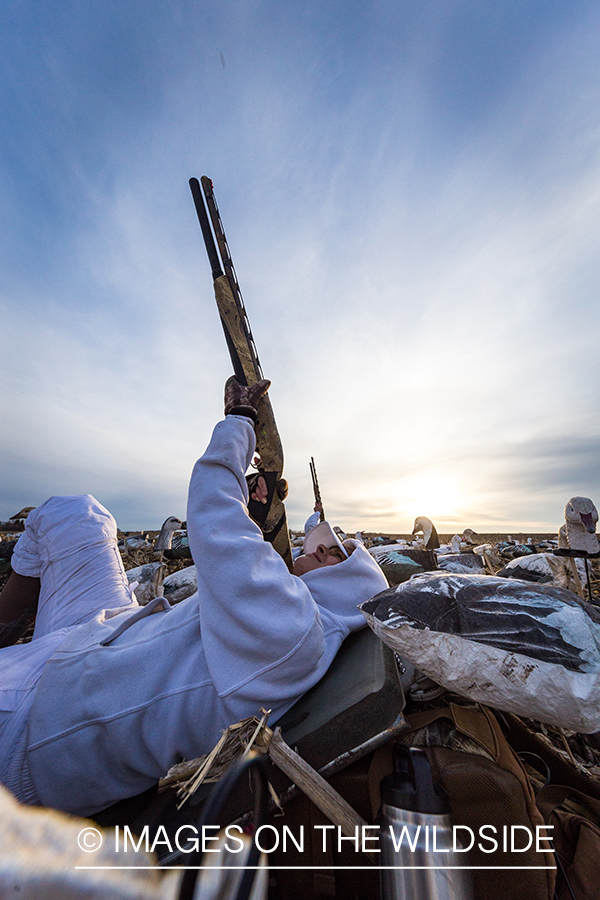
(431, 495)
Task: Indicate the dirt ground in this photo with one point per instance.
(486, 538)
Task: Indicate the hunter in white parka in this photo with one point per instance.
(92, 713)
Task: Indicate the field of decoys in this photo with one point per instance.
(530, 557)
(159, 563)
(567, 558)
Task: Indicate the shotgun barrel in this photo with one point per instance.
(269, 516)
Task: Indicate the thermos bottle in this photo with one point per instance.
(416, 830)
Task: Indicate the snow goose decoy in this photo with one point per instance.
(430, 535)
(468, 563)
(460, 543)
(577, 537)
(545, 568)
(441, 622)
(165, 538)
(22, 514)
(579, 530)
(470, 537)
(133, 542)
(15, 524)
(453, 547)
(462, 563)
(455, 544)
(180, 545)
(490, 557)
(511, 549)
(147, 581)
(180, 585)
(398, 563)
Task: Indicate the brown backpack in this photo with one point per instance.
(489, 787)
(576, 837)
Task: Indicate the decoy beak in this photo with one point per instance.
(586, 519)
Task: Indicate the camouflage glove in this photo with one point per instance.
(241, 400)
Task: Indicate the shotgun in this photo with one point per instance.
(315, 481)
(269, 516)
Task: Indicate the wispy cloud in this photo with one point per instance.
(412, 223)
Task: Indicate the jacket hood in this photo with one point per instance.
(339, 589)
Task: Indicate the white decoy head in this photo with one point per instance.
(165, 538)
(583, 511)
(581, 517)
(22, 514)
(455, 543)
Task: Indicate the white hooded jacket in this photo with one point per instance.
(127, 695)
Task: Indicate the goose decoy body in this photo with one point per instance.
(133, 542)
(149, 578)
(513, 551)
(515, 619)
(453, 547)
(544, 568)
(461, 543)
(491, 610)
(381, 540)
(490, 556)
(180, 585)
(548, 544)
(462, 563)
(399, 563)
(180, 546)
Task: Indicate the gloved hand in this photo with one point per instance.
(257, 487)
(241, 400)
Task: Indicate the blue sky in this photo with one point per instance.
(411, 193)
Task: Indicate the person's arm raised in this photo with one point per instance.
(260, 627)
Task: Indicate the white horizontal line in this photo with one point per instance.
(328, 868)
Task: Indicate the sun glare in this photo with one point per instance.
(431, 495)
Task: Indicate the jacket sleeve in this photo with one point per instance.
(261, 629)
(312, 521)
